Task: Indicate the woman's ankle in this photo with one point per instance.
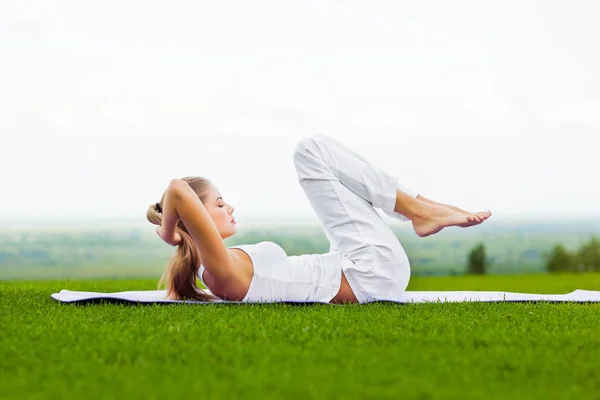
(414, 207)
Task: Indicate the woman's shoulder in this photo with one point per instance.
(237, 286)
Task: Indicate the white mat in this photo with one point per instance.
(158, 296)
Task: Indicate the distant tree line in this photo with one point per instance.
(585, 259)
(56, 254)
(477, 262)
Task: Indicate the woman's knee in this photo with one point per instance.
(308, 151)
(311, 144)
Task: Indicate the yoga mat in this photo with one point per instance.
(158, 296)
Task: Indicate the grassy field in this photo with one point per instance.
(382, 350)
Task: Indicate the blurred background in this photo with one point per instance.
(476, 104)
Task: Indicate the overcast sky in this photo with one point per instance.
(485, 105)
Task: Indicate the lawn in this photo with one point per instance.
(381, 350)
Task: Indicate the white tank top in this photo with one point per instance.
(279, 277)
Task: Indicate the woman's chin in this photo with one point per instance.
(231, 232)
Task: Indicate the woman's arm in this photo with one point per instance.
(170, 218)
(181, 202)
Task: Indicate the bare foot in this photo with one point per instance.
(442, 217)
(481, 216)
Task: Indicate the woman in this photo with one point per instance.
(366, 261)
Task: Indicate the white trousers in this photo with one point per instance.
(343, 188)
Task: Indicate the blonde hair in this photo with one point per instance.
(181, 273)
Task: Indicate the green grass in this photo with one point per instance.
(382, 350)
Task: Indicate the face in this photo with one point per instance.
(220, 212)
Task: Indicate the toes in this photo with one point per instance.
(474, 218)
(484, 215)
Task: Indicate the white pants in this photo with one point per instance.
(343, 189)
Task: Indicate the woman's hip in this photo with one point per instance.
(379, 278)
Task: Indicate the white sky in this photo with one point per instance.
(485, 105)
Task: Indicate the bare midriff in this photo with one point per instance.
(345, 294)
